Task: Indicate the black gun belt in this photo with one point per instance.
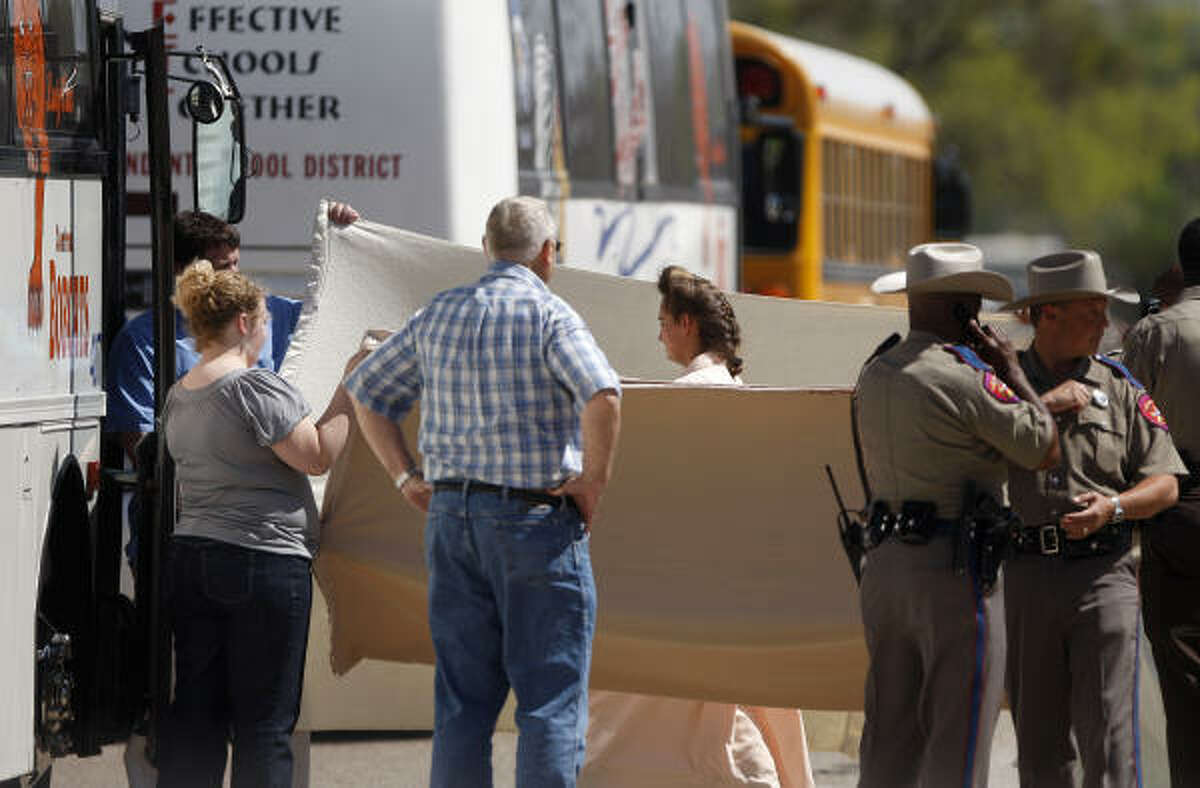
(1051, 540)
(907, 529)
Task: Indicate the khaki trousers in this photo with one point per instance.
(1072, 667)
(936, 675)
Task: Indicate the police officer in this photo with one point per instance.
(1071, 597)
(934, 417)
(1163, 351)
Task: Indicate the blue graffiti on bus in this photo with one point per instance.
(617, 235)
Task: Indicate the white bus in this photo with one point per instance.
(72, 673)
(422, 113)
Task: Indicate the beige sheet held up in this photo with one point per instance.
(745, 597)
(740, 594)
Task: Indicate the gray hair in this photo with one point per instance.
(517, 228)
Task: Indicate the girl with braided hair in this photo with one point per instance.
(644, 741)
(697, 327)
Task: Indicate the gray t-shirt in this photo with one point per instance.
(232, 486)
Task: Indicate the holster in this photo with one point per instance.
(852, 532)
(985, 537)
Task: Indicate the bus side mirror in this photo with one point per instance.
(218, 141)
(219, 156)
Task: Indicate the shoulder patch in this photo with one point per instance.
(1120, 369)
(967, 356)
(999, 390)
(1151, 413)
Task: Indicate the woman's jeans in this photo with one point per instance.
(511, 603)
(240, 620)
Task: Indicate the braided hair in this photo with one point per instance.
(685, 293)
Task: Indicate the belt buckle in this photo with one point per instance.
(1048, 539)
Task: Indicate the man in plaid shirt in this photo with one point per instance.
(519, 421)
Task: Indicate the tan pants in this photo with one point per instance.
(936, 677)
(1072, 667)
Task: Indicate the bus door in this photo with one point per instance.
(772, 182)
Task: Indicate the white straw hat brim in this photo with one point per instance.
(1122, 294)
(988, 284)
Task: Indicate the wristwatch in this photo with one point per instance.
(1118, 511)
(412, 473)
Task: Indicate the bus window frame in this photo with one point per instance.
(72, 153)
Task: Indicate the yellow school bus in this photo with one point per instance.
(837, 178)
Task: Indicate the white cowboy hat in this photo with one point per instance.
(945, 268)
(1067, 276)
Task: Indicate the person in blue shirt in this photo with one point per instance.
(129, 382)
(519, 418)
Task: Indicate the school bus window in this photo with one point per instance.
(69, 73)
(535, 88)
(671, 86)
(588, 124)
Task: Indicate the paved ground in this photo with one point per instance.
(402, 760)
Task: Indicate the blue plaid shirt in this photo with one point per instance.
(503, 368)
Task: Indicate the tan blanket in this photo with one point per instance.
(715, 554)
(718, 571)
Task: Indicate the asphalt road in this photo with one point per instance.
(402, 760)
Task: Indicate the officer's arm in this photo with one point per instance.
(1140, 502)
(995, 347)
(1150, 496)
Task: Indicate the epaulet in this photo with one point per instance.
(968, 356)
(991, 382)
(1121, 369)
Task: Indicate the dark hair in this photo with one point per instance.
(196, 232)
(685, 293)
(1189, 250)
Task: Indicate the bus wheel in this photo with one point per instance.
(66, 621)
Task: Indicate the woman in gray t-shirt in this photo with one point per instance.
(239, 581)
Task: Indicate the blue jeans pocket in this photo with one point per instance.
(541, 544)
(227, 574)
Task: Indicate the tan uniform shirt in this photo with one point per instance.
(1118, 440)
(930, 421)
(1163, 352)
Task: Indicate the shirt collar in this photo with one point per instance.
(1042, 378)
(702, 361)
(517, 271)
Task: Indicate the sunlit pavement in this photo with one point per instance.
(402, 760)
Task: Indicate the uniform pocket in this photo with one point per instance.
(1103, 446)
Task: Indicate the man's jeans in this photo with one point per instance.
(240, 619)
(511, 603)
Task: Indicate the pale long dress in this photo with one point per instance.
(644, 741)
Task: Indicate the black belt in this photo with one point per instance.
(915, 523)
(1050, 539)
(466, 486)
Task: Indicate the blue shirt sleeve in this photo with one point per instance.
(285, 314)
(389, 380)
(130, 383)
(576, 360)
